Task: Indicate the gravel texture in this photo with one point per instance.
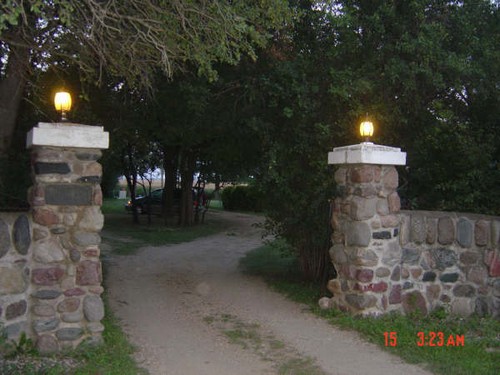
(189, 311)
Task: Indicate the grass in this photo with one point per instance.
(273, 261)
(114, 357)
(113, 206)
(117, 206)
(299, 366)
(126, 237)
(252, 337)
(480, 354)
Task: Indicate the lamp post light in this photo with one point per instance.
(367, 152)
(62, 102)
(366, 130)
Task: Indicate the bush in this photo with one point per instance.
(242, 198)
(15, 179)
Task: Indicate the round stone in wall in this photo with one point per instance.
(12, 280)
(16, 310)
(4, 238)
(22, 235)
(444, 258)
(45, 325)
(68, 334)
(93, 308)
(47, 344)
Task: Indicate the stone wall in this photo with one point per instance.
(50, 272)
(451, 260)
(389, 260)
(15, 266)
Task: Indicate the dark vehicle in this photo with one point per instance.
(154, 201)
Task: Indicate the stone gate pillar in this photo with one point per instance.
(365, 225)
(66, 198)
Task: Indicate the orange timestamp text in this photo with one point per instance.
(431, 339)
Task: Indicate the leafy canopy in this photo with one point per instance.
(134, 38)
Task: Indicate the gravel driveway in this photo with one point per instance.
(189, 311)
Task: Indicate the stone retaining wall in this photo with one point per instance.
(50, 272)
(389, 260)
(15, 266)
(451, 260)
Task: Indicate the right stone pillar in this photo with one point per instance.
(365, 241)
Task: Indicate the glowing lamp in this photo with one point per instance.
(366, 130)
(62, 102)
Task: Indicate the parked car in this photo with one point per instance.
(154, 201)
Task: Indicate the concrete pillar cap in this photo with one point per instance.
(367, 153)
(64, 134)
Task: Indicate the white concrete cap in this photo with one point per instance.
(66, 134)
(367, 153)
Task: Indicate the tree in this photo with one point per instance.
(294, 109)
(132, 39)
(428, 67)
(421, 68)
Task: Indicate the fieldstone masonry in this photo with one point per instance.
(389, 260)
(50, 272)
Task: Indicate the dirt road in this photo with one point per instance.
(190, 311)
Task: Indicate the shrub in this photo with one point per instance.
(242, 198)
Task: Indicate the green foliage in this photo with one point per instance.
(15, 180)
(417, 68)
(4, 344)
(242, 198)
(296, 134)
(135, 39)
(13, 348)
(427, 71)
(467, 183)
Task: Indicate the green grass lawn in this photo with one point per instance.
(126, 237)
(480, 354)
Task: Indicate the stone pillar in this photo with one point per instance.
(365, 222)
(65, 204)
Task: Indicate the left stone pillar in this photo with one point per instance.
(66, 199)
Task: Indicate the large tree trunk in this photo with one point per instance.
(188, 163)
(315, 264)
(170, 159)
(11, 93)
(130, 172)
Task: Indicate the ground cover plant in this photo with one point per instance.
(480, 353)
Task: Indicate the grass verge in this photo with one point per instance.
(480, 354)
(114, 357)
